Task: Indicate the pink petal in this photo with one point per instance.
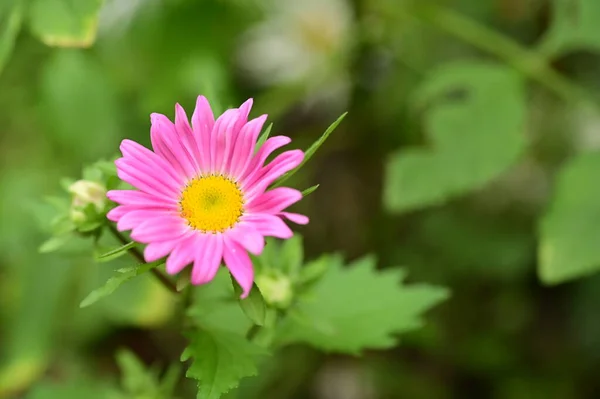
(202, 124)
(134, 218)
(167, 143)
(274, 201)
(181, 256)
(283, 163)
(153, 176)
(209, 253)
(248, 237)
(140, 179)
(160, 229)
(244, 111)
(141, 199)
(222, 131)
(157, 250)
(117, 213)
(295, 217)
(186, 136)
(272, 144)
(239, 264)
(131, 149)
(244, 146)
(268, 225)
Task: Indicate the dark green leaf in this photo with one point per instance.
(253, 305)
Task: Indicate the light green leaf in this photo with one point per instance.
(263, 137)
(123, 275)
(253, 305)
(310, 190)
(380, 308)
(220, 360)
(312, 149)
(11, 16)
(569, 230)
(475, 136)
(115, 253)
(54, 243)
(135, 378)
(65, 23)
(574, 27)
(291, 255)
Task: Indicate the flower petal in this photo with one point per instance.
(167, 143)
(244, 147)
(181, 256)
(136, 217)
(295, 217)
(209, 253)
(157, 250)
(153, 179)
(268, 225)
(239, 264)
(141, 199)
(283, 163)
(274, 201)
(221, 134)
(186, 137)
(203, 122)
(163, 228)
(248, 237)
(272, 144)
(131, 149)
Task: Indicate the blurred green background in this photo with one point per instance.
(469, 156)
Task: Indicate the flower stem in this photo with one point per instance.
(168, 284)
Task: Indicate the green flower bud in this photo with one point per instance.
(88, 192)
(276, 289)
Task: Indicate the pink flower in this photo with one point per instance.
(202, 193)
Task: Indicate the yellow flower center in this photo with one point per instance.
(212, 203)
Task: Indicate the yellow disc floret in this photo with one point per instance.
(212, 203)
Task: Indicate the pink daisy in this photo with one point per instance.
(202, 193)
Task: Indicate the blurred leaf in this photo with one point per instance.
(115, 253)
(263, 137)
(254, 305)
(380, 308)
(220, 360)
(574, 27)
(569, 230)
(80, 105)
(65, 23)
(135, 378)
(54, 243)
(314, 270)
(474, 139)
(310, 190)
(11, 16)
(291, 255)
(72, 390)
(115, 282)
(312, 149)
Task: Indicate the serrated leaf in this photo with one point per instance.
(569, 230)
(358, 307)
(253, 305)
(65, 23)
(473, 139)
(115, 253)
(312, 149)
(220, 360)
(574, 27)
(263, 137)
(310, 190)
(10, 25)
(122, 276)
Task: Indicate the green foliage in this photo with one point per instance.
(115, 253)
(310, 190)
(380, 308)
(138, 381)
(11, 16)
(569, 230)
(64, 23)
(220, 360)
(312, 149)
(574, 27)
(122, 276)
(254, 305)
(476, 127)
(263, 137)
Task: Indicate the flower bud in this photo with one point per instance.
(276, 289)
(88, 192)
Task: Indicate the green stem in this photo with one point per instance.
(168, 284)
(528, 62)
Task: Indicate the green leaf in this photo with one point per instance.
(291, 255)
(357, 307)
(220, 360)
(253, 305)
(54, 243)
(310, 190)
(569, 230)
(474, 137)
(574, 27)
(312, 149)
(10, 25)
(65, 23)
(123, 275)
(263, 137)
(135, 378)
(115, 253)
